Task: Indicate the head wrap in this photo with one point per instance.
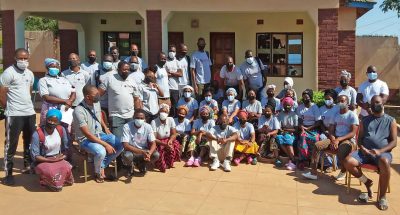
(242, 113)
(50, 61)
(289, 80)
(231, 90)
(164, 106)
(271, 86)
(287, 101)
(204, 109)
(54, 113)
(183, 107)
(346, 74)
(187, 87)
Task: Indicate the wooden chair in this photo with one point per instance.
(334, 158)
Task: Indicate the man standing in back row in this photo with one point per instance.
(200, 68)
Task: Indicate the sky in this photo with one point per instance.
(376, 22)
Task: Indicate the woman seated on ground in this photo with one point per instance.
(49, 144)
(309, 126)
(286, 137)
(198, 147)
(246, 146)
(167, 145)
(253, 108)
(231, 106)
(183, 128)
(210, 102)
(268, 126)
(271, 98)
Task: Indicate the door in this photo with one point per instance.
(175, 38)
(68, 44)
(222, 45)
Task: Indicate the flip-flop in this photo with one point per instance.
(363, 198)
(383, 204)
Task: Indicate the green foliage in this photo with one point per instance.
(393, 5)
(1, 41)
(318, 98)
(34, 23)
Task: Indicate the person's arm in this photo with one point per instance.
(360, 102)
(195, 112)
(101, 91)
(104, 126)
(194, 81)
(172, 138)
(232, 138)
(178, 73)
(55, 100)
(349, 135)
(316, 125)
(159, 91)
(392, 140)
(35, 152)
(137, 103)
(93, 138)
(252, 137)
(3, 96)
(210, 136)
(235, 112)
(273, 132)
(241, 84)
(133, 149)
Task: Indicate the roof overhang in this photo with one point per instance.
(364, 4)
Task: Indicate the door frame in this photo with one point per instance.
(221, 33)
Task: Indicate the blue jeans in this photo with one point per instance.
(100, 156)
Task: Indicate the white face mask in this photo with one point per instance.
(231, 98)
(171, 55)
(134, 66)
(329, 102)
(22, 64)
(187, 94)
(139, 122)
(163, 116)
(250, 60)
(107, 65)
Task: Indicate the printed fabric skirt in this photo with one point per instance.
(55, 175)
(306, 143)
(242, 148)
(192, 146)
(168, 155)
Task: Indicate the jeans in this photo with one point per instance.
(100, 156)
(117, 125)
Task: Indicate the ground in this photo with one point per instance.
(260, 189)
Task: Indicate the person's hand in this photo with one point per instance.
(249, 144)
(153, 85)
(198, 139)
(223, 141)
(375, 152)
(170, 143)
(219, 140)
(68, 103)
(196, 89)
(147, 156)
(334, 145)
(107, 130)
(110, 149)
(230, 120)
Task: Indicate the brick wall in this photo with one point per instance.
(8, 34)
(154, 35)
(327, 48)
(346, 52)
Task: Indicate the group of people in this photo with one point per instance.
(136, 114)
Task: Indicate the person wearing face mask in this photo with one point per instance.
(377, 138)
(309, 125)
(135, 52)
(288, 84)
(254, 73)
(77, 77)
(93, 135)
(343, 129)
(253, 108)
(268, 127)
(232, 76)
(373, 86)
(139, 143)
(136, 70)
(123, 97)
(289, 123)
(48, 150)
(114, 51)
(200, 68)
(346, 89)
(162, 79)
(183, 63)
(210, 102)
(328, 111)
(168, 147)
(90, 65)
(183, 128)
(174, 73)
(271, 96)
(197, 146)
(231, 106)
(246, 146)
(55, 90)
(222, 140)
(15, 97)
(189, 102)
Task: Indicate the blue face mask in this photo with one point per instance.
(372, 76)
(208, 98)
(107, 65)
(54, 71)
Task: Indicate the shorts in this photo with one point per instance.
(368, 159)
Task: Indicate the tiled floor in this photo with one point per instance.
(261, 189)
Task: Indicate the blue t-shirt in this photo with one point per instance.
(376, 131)
(192, 105)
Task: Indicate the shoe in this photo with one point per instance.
(254, 162)
(142, 168)
(290, 166)
(27, 170)
(227, 165)
(197, 162)
(278, 163)
(215, 164)
(236, 161)
(9, 180)
(189, 162)
(310, 176)
(341, 176)
(249, 160)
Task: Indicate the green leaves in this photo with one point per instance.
(391, 5)
(34, 23)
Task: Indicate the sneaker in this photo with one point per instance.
(215, 164)
(9, 180)
(310, 176)
(249, 160)
(197, 162)
(254, 162)
(278, 163)
(236, 161)
(189, 162)
(341, 176)
(290, 166)
(227, 165)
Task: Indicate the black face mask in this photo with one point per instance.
(134, 53)
(252, 98)
(269, 115)
(377, 108)
(96, 99)
(229, 65)
(161, 63)
(92, 59)
(223, 126)
(306, 101)
(73, 63)
(343, 83)
(242, 121)
(205, 118)
(201, 48)
(270, 95)
(149, 80)
(51, 125)
(124, 75)
(287, 109)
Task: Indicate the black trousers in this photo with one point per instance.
(14, 126)
(174, 100)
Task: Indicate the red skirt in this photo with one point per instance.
(56, 174)
(168, 155)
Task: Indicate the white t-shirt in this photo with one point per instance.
(231, 78)
(272, 123)
(192, 105)
(264, 101)
(199, 126)
(58, 87)
(327, 115)
(90, 68)
(138, 137)
(246, 131)
(162, 81)
(163, 130)
(350, 92)
(183, 64)
(183, 127)
(171, 66)
(201, 63)
(52, 143)
(368, 90)
(308, 115)
(78, 80)
(252, 108)
(137, 76)
(230, 107)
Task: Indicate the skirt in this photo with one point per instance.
(253, 149)
(168, 155)
(307, 141)
(192, 146)
(55, 175)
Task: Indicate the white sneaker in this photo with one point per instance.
(341, 176)
(310, 176)
(215, 164)
(227, 165)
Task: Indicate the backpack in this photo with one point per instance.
(42, 137)
(97, 77)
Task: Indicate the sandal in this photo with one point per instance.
(98, 178)
(383, 204)
(363, 198)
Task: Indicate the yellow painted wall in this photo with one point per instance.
(245, 27)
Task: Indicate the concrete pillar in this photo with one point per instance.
(154, 35)
(8, 35)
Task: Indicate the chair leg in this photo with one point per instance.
(388, 191)
(379, 191)
(322, 162)
(348, 181)
(85, 169)
(115, 169)
(334, 158)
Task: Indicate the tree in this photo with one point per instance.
(35, 23)
(391, 5)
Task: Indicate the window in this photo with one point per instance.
(282, 52)
(122, 40)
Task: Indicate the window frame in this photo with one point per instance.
(131, 36)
